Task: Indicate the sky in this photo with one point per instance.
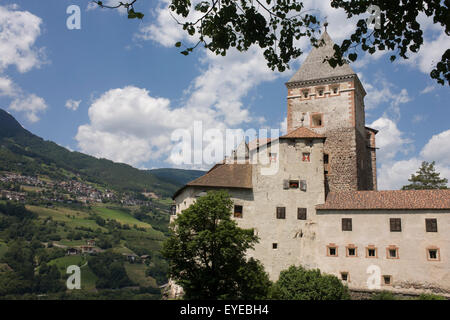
(119, 88)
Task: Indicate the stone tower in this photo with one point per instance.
(330, 101)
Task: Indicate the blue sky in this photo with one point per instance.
(118, 88)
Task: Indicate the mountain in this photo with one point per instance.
(21, 151)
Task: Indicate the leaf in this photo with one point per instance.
(352, 56)
(178, 44)
(185, 52)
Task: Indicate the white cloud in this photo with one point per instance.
(31, 105)
(393, 174)
(390, 140)
(18, 33)
(72, 104)
(7, 87)
(438, 149)
(428, 89)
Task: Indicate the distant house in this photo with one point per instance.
(87, 249)
(131, 257)
(90, 242)
(73, 251)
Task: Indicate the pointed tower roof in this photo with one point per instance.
(314, 67)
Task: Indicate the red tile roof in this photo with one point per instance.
(389, 200)
(224, 175)
(302, 132)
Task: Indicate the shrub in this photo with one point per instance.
(430, 296)
(384, 295)
(297, 283)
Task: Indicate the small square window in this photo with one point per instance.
(433, 254)
(301, 213)
(371, 252)
(281, 212)
(344, 276)
(351, 252)
(305, 94)
(392, 253)
(395, 224)
(306, 157)
(293, 184)
(335, 90)
(346, 224)
(332, 251)
(238, 211)
(320, 92)
(274, 245)
(387, 280)
(431, 225)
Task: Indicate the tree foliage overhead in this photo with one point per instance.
(207, 253)
(426, 178)
(277, 25)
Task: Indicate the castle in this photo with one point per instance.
(320, 208)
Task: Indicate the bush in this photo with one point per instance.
(384, 295)
(430, 296)
(297, 283)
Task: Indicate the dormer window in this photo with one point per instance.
(305, 94)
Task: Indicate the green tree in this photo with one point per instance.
(297, 283)
(276, 27)
(426, 178)
(206, 252)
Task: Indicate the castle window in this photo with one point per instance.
(351, 251)
(293, 184)
(281, 212)
(320, 92)
(433, 254)
(344, 276)
(395, 224)
(392, 252)
(387, 280)
(173, 210)
(316, 120)
(335, 89)
(305, 93)
(326, 158)
(332, 250)
(306, 157)
(301, 213)
(346, 224)
(238, 211)
(274, 245)
(371, 252)
(431, 225)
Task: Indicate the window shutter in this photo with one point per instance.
(285, 184)
(303, 185)
(281, 213)
(347, 224)
(301, 213)
(396, 224)
(431, 225)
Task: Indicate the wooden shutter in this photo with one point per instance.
(431, 225)
(301, 213)
(396, 224)
(285, 184)
(303, 185)
(346, 224)
(281, 213)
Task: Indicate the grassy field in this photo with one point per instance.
(72, 217)
(136, 272)
(120, 216)
(88, 278)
